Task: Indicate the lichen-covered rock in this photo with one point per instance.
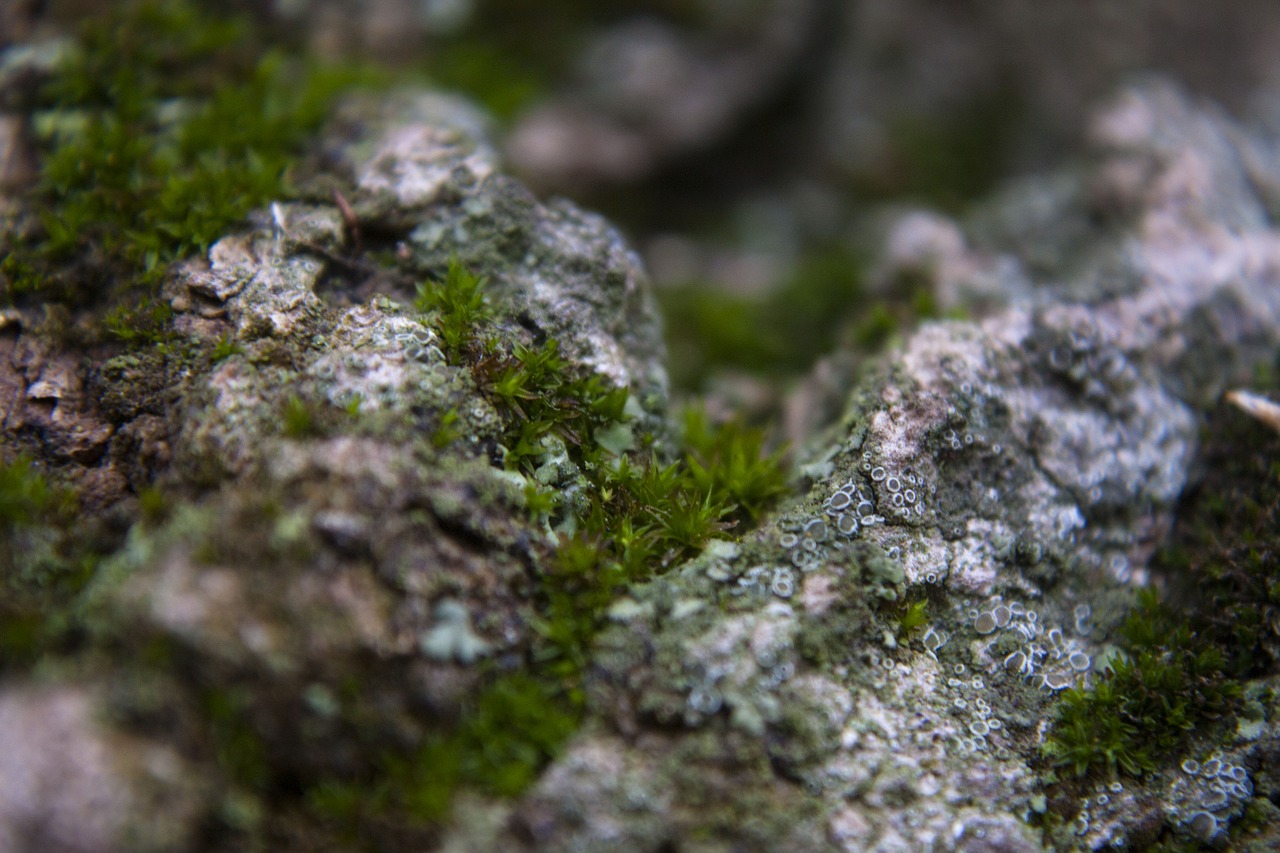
(329, 571)
(334, 560)
(1005, 479)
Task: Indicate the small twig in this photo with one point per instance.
(1256, 406)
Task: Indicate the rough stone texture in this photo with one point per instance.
(1017, 470)
(331, 574)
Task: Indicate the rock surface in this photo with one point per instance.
(337, 561)
(346, 546)
(1016, 472)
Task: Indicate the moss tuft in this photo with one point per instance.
(1148, 701)
(163, 129)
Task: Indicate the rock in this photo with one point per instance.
(333, 548)
(330, 565)
(69, 783)
(1016, 472)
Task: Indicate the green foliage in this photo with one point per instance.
(731, 462)
(460, 307)
(515, 726)
(1180, 669)
(504, 737)
(1225, 553)
(446, 432)
(912, 616)
(153, 506)
(1167, 682)
(298, 419)
(145, 322)
(25, 495)
(224, 348)
(165, 127)
(46, 558)
(645, 517)
(638, 517)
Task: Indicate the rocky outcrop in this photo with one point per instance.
(1015, 474)
(328, 558)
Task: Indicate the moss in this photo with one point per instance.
(1179, 670)
(164, 128)
(1167, 683)
(224, 348)
(709, 329)
(459, 305)
(25, 495)
(298, 420)
(912, 615)
(1225, 553)
(47, 555)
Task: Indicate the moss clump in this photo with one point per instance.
(25, 496)
(298, 419)
(1181, 668)
(912, 615)
(163, 129)
(460, 307)
(1167, 683)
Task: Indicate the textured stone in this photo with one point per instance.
(1018, 469)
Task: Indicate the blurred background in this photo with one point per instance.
(753, 150)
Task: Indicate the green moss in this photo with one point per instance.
(47, 555)
(637, 516)
(298, 419)
(145, 322)
(446, 431)
(1148, 701)
(460, 307)
(164, 128)
(1180, 669)
(224, 348)
(709, 329)
(912, 615)
(25, 495)
(1224, 558)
